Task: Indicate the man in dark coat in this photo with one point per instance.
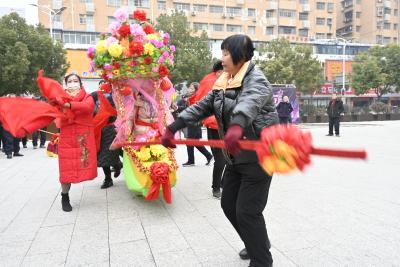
(334, 109)
(284, 109)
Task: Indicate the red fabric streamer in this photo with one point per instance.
(159, 174)
(22, 116)
(104, 113)
(52, 90)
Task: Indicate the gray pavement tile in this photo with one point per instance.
(310, 257)
(125, 230)
(20, 231)
(135, 253)
(47, 259)
(178, 258)
(12, 253)
(88, 255)
(51, 239)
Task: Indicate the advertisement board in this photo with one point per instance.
(290, 91)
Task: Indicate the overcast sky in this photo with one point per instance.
(22, 7)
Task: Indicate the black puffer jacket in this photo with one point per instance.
(251, 106)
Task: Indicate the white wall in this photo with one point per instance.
(22, 7)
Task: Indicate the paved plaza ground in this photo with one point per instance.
(337, 213)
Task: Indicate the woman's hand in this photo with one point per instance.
(167, 138)
(67, 105)
(232, 137)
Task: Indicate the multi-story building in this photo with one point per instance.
(369, 21)
(297, 20)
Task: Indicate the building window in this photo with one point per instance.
(287, 30)
(386, 40)
(395, 12)
(233, 28)
(216, 9)
(80, 37)
(387, 11)
(139, 3)
(320, 21)
(303, 32)
(303, 16)
(386, 26)
(181, 6)
(161, 5)
(251, 30)
(269, 31)
(320, 5)
(217, 27)
(358, 15)
(82, 18)
(251, 12)
(116, 3)
(358, 28)
(329, 21)
(358, 1)
(200, 8)
(303, 1)
(234, 11)
(200, 26)
(379, 39)
(287, 13)
(269, 13)
(320, 35)
(395, 26)
(86, 1)
(330, 7)
(111, 20)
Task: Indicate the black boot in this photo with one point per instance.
(117, 171)
(108, 182)
(66, 206)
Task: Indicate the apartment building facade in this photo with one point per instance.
(369, 21)
(262, 20)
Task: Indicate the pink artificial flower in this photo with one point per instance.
(138, 33)
(111, 40)
(166, 38)
(92, 63)
(109, 75)
(172, 47)
(155, 69)
(114, 27)
(107, 66)
(165, 54)
(90, 52)
(121, 15)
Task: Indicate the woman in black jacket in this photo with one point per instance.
(242, 102)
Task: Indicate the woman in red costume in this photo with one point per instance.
(76, 149)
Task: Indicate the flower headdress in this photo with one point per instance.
(132, 50)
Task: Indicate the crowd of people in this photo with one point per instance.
(233, 102)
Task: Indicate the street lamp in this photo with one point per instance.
(51, 13)
(344, 41)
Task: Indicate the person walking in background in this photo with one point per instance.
(11, 145)
(284, 110)
(212, 127)
(334, 109)
(194, 132)
(104, 118)
(243, 104)
(35, 137)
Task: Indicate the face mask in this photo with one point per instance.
(73, 86)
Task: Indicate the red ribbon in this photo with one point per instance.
(159, 174)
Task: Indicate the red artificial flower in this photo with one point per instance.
(133, 63)
(148, 60)
(163, 71)
(139, 15)
(126, 90)
(124, 30)
(105, 87)
(116, 65)
(136, 48)
(148, 29)
(159, 172)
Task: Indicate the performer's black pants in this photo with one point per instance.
(10, 143)
(195, 133)
(284, 120)
(244, 197)
(219, 160)
(35, 137)
(334, 122)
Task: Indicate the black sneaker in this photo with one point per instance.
(329, 135)
(108, 182)
(243, 254)
(42, 146)
(117, 172)
(216, 193)
(9, 156)
(209, 161)
(24, 146)
(18, 155)
(337, 135)
(34, 147)
(188, 164)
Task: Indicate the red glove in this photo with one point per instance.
(232, 137)
(167, 138)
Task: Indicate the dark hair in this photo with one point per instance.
(217, 66)
(73, 74)
(101, 82)
(195, 85)
(239, 46)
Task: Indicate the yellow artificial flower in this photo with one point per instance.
(151, 37)
(116, 72)
(144, 154)
(148, 49)
(101, 47)
(115, 50)
(158, 151)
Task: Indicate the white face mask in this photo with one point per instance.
(73, 86)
